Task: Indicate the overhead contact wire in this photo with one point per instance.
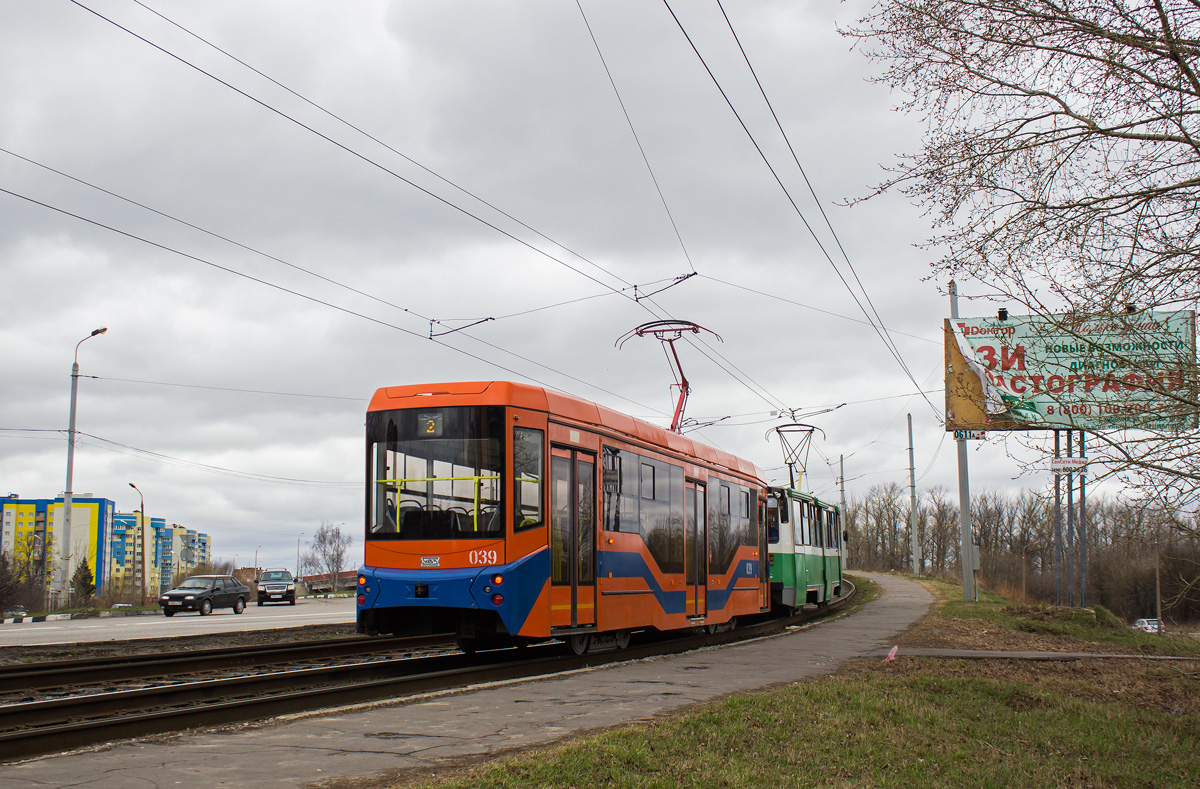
(787, 193)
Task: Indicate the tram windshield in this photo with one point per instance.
(436, 473)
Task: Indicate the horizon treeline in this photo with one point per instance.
(1126, 545)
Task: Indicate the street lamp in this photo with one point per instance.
(64, 569)
(141, 535)
(256, 562)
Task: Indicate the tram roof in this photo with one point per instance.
(539, 398)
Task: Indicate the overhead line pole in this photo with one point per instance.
(845, 524)
(912, 504)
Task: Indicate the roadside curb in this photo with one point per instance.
(25, 620)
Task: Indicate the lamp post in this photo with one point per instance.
(256, 562)
(141, 535)
(298, 556)
(64, 569)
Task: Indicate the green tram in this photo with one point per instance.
(805, 543)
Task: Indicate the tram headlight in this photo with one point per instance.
(497, 579)
(362, 580)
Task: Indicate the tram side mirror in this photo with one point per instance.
(845, 536)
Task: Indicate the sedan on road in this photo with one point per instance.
(203, 593)
(1149, 626)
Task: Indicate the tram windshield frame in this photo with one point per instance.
(436, 473)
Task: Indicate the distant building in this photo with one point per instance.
(124, 550)
(321, 582)
(28, 526)
(171, 550)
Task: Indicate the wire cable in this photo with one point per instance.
(891, 349)
(633, 130)
(116, 446)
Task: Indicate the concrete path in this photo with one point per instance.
(371, 740)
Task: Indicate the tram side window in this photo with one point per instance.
(720, 541)
(528, 472)
(732, 525)
(799, 519)
(621, 499)
(774, 513)
(662, 513)
(746, 531)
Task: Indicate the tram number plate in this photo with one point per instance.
(431, 561)
(483, 557)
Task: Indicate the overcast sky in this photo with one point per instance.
(500, 182)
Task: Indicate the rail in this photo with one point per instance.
(53, 725)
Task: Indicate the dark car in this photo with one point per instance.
(203, 593)
(276, 586)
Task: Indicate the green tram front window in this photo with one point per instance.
(436, 473)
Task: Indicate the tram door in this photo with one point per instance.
(572, 538)
(695, 547)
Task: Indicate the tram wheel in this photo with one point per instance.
(622, 639)
(724, 627)
(579, 644)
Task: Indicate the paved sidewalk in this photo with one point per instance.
(424, 734)
(998, 654)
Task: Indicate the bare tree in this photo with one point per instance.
(329, 552)
(1062, 170)
(942, 548)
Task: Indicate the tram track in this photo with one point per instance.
(75, 721)
(22, 678)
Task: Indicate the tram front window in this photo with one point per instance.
(436, 473)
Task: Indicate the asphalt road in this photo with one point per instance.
(317, 611)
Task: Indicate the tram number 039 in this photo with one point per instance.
(483, 557)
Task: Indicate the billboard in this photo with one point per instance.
(1072, 372)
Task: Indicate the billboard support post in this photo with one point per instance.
(964, 495)
(1082, 528)
(1058, 537)
(1070, 522)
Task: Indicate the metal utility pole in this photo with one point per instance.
(845, 525)
(966, 541)
(64, 570)
(912, 504)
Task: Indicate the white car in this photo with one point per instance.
(1148, 626)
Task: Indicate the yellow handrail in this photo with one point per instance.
(399, 483)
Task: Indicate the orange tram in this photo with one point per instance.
(511, 514)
